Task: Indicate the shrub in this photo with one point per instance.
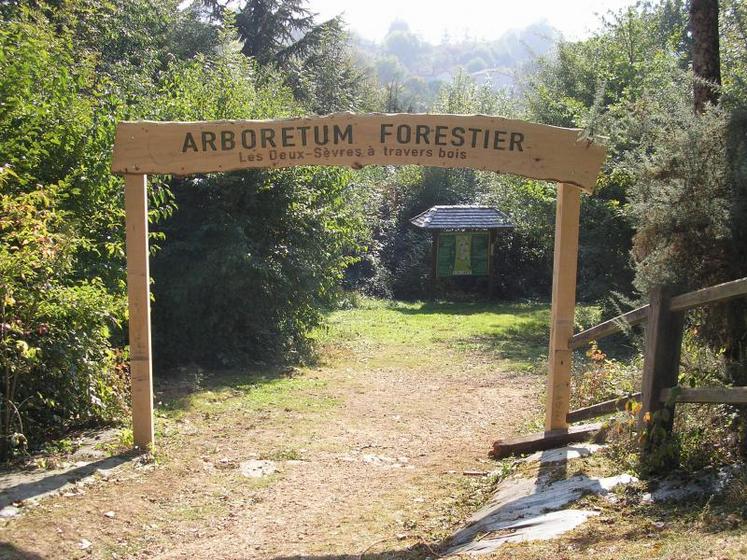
(703, 435)
(251, 261)
(56, 361)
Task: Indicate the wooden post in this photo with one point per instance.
(565, 264)
(138, 294)
(434, 262)
(493, 233)
(661, 362)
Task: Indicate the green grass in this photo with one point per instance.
(387, 331)
(226, 392)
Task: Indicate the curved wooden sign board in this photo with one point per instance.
(479, 142)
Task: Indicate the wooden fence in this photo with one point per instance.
(664, 317)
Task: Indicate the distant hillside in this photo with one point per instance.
(418, 68)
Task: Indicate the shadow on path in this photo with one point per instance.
(473, 308)
(11, 552)
(19, 486)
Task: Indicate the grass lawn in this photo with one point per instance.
(516, 333)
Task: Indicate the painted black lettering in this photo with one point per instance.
(441, 135)
(341, 134)
(422, 131)
(189, 143)
(286, 133)
(516, 139)
(227, 141)
(457, 136)
(267, 136)
(208, 139)
(498, 139)
(248, 139)
(404, 133)
(303, 130)
(385, 132)
(321, 140)
(475, 132)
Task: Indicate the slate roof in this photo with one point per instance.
(461, 217)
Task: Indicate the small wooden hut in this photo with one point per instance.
(463, 240)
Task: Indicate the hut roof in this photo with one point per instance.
(461, 217)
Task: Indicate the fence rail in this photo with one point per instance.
(724, 395)
(714, 294)
(664, 318)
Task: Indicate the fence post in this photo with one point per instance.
(660, 364)
(434, 263)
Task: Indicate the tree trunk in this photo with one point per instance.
(706, 59)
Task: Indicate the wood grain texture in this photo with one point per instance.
(661, 361)
(138, 296)
(713, 294)
(730, 395)
(602, 408)
(542, 441)
(610, 327)
(563, 307)
(480, 142)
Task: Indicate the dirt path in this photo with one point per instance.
(370, 449)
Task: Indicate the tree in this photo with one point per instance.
(274, 31)
(705, 52)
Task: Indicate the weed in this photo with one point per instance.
(287, 454)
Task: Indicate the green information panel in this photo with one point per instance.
(463, 254)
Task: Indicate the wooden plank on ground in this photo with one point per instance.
(725, 395)
(543, 441)
(602, 408)
(714, 294)
(609, 327)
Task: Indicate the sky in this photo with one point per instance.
(480, 19)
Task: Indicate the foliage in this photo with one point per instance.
(62, 95)
(689, 200)
(58, 368)
(315, 58)
(599, 378)
(269, 30)
(399, 256)
(252, 259)
(418, 69)
(703, 436)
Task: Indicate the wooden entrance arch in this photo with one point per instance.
(531, 150)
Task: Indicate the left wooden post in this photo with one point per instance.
(138, 294)
(565, 265)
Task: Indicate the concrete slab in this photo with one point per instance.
(529, 500)
(540, 527)
(562, 454)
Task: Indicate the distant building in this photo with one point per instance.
(463, 239)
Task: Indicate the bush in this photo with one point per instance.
(250, 262)
(599, 378)
(57, 364)
(703, 436)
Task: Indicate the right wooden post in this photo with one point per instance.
(565, 264)
(661, 362)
